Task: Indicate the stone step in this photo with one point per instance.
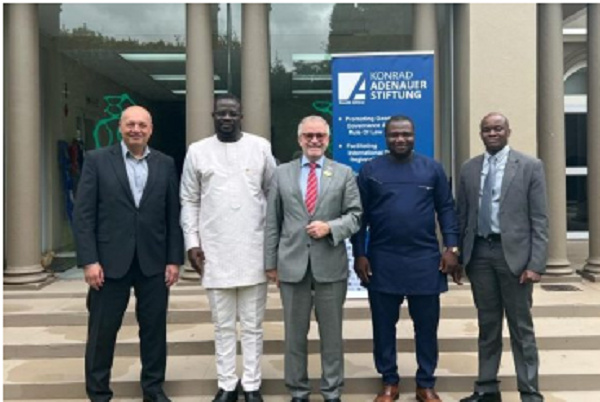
(458, 335)
(192, 309)
(572, 396)
(38, 379)
(78, 288)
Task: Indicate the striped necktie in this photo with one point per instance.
(311, 189)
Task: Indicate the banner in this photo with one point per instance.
(367, 90)
(370, 88)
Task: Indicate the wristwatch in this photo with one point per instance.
(454, 250)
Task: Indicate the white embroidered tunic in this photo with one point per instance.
(223, 198)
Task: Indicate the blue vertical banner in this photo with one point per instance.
(367, 90)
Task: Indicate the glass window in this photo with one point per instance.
(303, 36)
(96, 60)
(116, 55)
(577, 203)
(227, 48)
(576, 159)
(576, 84)
(576, 139)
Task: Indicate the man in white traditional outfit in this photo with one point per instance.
(224, 186)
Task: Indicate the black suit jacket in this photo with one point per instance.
(109, 228)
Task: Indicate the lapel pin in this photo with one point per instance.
(328, 173)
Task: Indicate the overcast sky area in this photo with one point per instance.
(145, 22)
(295, 28)
(299, 29)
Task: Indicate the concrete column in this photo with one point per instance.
(551, 132)
(461, 77)
(22, 153)
(425, 38)
(483, 84)
(199, 69)
(52, 118)
(593, 138)
(256, 93)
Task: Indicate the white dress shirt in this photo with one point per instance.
(223, 199)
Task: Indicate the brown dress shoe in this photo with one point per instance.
(389, 393)
(427, 395)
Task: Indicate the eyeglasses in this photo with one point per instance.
(310, 136)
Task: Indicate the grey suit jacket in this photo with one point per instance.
(287, 245)
(523, 211)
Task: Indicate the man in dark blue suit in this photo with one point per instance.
(402, 192)
(127, 234)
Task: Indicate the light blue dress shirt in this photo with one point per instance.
(305, 169)
(137, 172)
(501, 158)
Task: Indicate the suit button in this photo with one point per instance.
(307, 244)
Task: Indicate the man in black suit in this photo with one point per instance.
(127, 234)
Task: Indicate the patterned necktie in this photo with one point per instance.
(311, 189)
(484, 221)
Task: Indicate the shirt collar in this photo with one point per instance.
(125, 151)
(306, 162)
(500, 155)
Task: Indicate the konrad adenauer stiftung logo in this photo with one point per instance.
(352, 88)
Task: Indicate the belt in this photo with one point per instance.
(492, 237)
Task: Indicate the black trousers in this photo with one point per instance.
(106, 308)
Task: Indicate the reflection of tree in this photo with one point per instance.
(320, 67)
(281, 80)
(370, 28)
(221, 47)
(85, 38)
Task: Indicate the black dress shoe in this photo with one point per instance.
(253, 396)
(294, 399)
(226, 396)
(160, 397)
(333, 400)
(483, 397)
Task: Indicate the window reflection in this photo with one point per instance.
(577, 203)
(576, 139)
(303, 36)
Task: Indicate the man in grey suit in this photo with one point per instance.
(313, 206)
(504, 233)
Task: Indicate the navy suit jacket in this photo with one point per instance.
(108, 226)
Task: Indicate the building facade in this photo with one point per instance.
(71, 68)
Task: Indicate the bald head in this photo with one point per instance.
(137, 110)
(136, 129)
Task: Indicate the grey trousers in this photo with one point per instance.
(496, 291)
(328, 299)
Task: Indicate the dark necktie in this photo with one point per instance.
(484, 221)
(311, 189)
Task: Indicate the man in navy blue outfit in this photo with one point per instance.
(401, 193)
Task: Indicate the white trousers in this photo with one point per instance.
(249, 304)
